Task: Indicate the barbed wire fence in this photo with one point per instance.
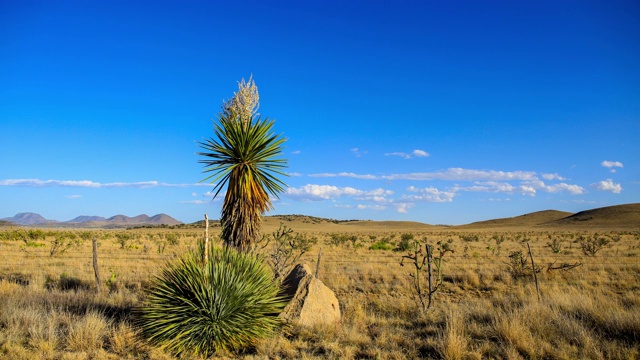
(21, 265)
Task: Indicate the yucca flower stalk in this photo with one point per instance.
(244, 156)
(225, 304)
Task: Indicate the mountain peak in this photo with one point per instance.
(30, 219)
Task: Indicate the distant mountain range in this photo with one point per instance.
(626, 216)
(33, 219)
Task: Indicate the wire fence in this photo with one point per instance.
(42, 261)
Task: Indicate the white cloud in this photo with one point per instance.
(499, 187)
(459, 174)
(571, 189)
(89, 183)
(345, 174)
(451, 174)
(553, 177)
(403, 207)
(295, 152)
(313, 192)
(371, 207)
(73, 196)
(361, 207)
(608, 185)
(420, 153)
(294, 174)
(415, 153)
(612, 165)
(400, 154)
(429, 194)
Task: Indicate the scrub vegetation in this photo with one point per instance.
(486, 306)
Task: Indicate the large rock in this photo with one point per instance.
(311, 301)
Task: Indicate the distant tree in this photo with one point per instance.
(244, 157)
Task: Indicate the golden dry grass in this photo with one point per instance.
(49, 307)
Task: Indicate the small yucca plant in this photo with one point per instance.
(197, 308)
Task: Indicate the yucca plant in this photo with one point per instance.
(225, 304)
(244, 157)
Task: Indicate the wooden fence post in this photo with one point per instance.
(318, 264)
(206, 238)
(533, 266)
(96, 270)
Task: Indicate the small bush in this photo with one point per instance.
(381, 245)
(228, 303)
(592, 244)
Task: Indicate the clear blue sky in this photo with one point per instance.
(444, 112)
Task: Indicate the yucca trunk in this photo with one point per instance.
(242, 210)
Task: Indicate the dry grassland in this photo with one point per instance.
(50, 309)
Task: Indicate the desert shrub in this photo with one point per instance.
(172, 239)
(346, 240)
(382, 244)
(227, 303)
(555, 244)
(518, 264)
(64, 241)
(405, 243)
(284, 247)
(592, 244)
(123, 239)
(469, 237)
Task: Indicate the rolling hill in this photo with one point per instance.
(609, 217)
(617, 216)
(531, 219)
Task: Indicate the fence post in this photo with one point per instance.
(96, 271)
(206, 238)
(318, 264)
(533, 266)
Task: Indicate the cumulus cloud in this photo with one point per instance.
(313, 192)
(608, 185)
(571, 189)
(420, 153)
(611, 165)
(459, 174)
(498, 187)
(346, 174)
(553, 177)
(414, 153)
(403, 207)
(89, 183)
(429, 194)
(451, 174)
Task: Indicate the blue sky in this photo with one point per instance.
(443, 112)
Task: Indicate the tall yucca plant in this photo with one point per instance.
(227, 303)
(244, 157)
